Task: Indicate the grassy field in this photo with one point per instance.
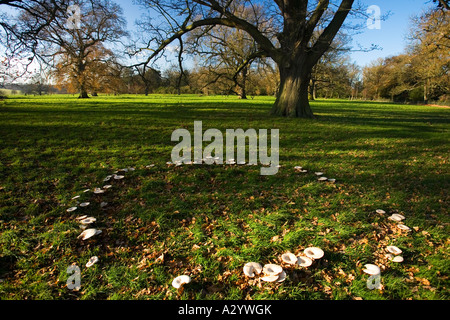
(208, 221)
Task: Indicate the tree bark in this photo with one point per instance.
(292, 98)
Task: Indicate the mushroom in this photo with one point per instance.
(87, 190)
(81, 217)
(93, 260)
(303, 171)
(332, 180)
(271, 278)
(304, 261)
(180, 281)
(107, 186)
(313, 252)
(322, 179)
(371, 269)
(318, 173)
(272, 269)
(150, 166)
(394, 250)
(380, 211)
(398, 259)
(298, 168)
(281, 276)
(103, 204)
(76, 197)
(99, 191)
(289, 258)
(396, 217)
(88, 233)
(118, 177)
(72, 209)
(251, 267)
(84, 204)
(403, 227)
(87, 220)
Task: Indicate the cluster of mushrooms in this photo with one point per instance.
(319, 174)
(86, 221)
(274, 272)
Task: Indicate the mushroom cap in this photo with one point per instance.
(81, 217)
(71, 209)
(371, 269)
(396, 217)
(88, 220)
(298, 168)
(380, 211)
(272, 269)
(281, 276)
(84, 204)
(289, 258)
(107, 186)
(118, 177)
(270, 278)
(303, 171)
(76, 197)
(403, 227)
(332, 180)
(313, 252)
(98, 191)
(398, 259)
(180, 280)
(88, 233)
(87, 190)
(93, 260)
(318, 173)
(251, 267)
(322, 179)
(394, 250)
(304, 261)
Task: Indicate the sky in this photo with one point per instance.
(390, 37)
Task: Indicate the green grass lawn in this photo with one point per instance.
(208, 221)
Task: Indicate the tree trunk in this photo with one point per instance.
(292, 98)
(243, 90)
(312, 90)
(83, 93)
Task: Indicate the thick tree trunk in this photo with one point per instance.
(243, 85)
(83, 93)
(292, 99)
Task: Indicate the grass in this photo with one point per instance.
(208, 221)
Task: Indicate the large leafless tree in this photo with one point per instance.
(290, 45)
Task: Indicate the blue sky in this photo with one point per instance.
(390, 37)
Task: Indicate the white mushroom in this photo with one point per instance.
(180, 281)
(371, 269)
(76, 197)
(322, 179)
(396, 217)
(272, 269)
(398, 259)
(88, 233)
(87, 190)
(99, 191)
(281, 277)
(313, 252)
(118, 177)
(271, 278)
(318, 173)
(72, 209)
(81, 217)
(380, 211)
(332, 180)
(304, 261)
(88, 220)
(394, 250)
(93, 260)
(107, 186)
(403, 227)
(251, 267)
(298, 168)
(303, 171)
(289, 258)
(84, 204)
